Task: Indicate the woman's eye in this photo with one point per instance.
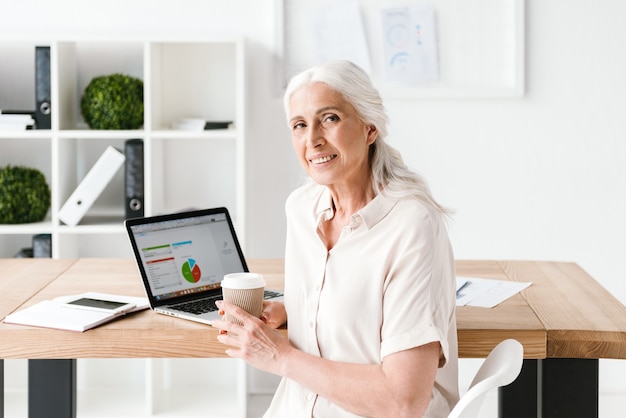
(298, 125)
(331, 118)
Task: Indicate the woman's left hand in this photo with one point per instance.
(255, 342)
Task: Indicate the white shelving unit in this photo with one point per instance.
(197, 78)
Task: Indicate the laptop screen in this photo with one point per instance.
(185, 254)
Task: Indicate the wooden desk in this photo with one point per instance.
(582, 323)
(565, 320)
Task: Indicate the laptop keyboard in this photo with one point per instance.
(270, 294)
(198, 307)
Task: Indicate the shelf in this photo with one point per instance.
(79, 62)
(26, 134)
(203, 88)
(95, 225)
(100, 134)
(29, 151)
(29, 228)
(213, 184)
(127, 134)
(208, 134)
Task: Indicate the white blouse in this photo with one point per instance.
(387, 285)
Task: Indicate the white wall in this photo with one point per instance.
(542, 177)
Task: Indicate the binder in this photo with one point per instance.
(42, 246)
(133, 178)
(43, 111)
(91, 186)
(24, 253)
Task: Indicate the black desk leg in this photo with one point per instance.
(1, 388)
(52, 388)
(519, 399)
(570, 388)
(552, 388)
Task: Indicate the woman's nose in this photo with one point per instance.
(314, 137)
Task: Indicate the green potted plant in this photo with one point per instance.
(24, 195)
(113, 102)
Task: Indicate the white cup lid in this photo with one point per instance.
(243, 281)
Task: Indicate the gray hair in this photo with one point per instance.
(390, 175)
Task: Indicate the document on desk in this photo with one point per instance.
(485, 293)
(52, 313)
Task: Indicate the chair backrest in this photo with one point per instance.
(500, 368)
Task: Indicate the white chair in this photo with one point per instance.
(500, 368)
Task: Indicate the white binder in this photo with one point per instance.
(91, 186)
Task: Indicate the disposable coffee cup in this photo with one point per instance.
(245, 290)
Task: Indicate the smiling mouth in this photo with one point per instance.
(323, 160)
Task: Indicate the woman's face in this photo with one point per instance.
(330, 140)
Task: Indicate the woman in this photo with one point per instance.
(369, 272)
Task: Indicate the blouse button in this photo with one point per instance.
(309, 396)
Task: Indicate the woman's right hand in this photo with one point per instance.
(274, 314)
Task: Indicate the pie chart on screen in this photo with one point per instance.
(191, 271)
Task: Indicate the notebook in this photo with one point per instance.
(182, 258)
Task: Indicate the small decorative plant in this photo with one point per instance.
(113, 102)
(24, 195)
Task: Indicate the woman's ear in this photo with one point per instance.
(372, 134)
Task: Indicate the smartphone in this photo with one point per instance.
(101, 305)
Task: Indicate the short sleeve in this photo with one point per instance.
(418, 300)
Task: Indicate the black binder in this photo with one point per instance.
(24, 253)
(133, 178)
(42, 246)
(43, 118)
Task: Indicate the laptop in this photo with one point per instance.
(182, 258)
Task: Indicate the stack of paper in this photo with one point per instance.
(486, 293)
(16, 121)
(195, 124)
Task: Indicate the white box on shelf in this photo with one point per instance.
(91, 186)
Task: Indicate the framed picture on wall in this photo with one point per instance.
(438, 49)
